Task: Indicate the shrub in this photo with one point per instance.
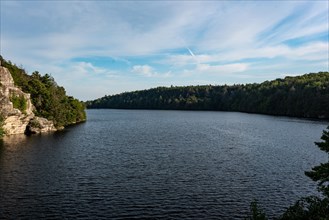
(2, 132)
(19, 102)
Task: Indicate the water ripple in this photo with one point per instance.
(159, 165)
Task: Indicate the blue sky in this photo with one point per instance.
(97, 48)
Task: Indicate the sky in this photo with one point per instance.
(97, 48)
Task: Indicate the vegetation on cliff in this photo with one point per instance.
(49, 99)
(300, 96)
(19, 102)
(2, 132)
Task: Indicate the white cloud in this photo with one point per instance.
(308, 52)
(148, 71)
(216, 37)
(218, 69)
(144, 70)
(66, 29)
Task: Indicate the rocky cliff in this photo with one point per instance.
(19, 120)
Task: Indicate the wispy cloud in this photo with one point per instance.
(313, 51)
(206, 41)
(218, 69)
(148, 71)
(144, 70)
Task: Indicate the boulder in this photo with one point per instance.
(39, 125)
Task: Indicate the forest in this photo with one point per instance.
(299, 96)
(49, 99)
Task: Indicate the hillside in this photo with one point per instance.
(300, 96)
(48, 100)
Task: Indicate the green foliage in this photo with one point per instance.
(19, 102)
(309, 208)
(321, 173)
(35, 123)
(49, 99)
(2, 132)
(301, 96)
(313, 207)
(256, 213)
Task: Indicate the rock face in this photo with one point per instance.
(15, 120)
(39, 125)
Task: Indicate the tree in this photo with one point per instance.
(49, 99)
(300, 96)
(321, 173)
(313, 207)
(256, 213)
(308, 208)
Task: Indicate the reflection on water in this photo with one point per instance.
(159, 164)
(14, 142)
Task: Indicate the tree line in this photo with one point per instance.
(49, 99)
(301, 96)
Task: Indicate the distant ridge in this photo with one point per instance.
(300, 96)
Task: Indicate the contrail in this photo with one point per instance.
(192, 54)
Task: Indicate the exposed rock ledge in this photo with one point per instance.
(16, 121)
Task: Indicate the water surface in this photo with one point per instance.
(159, 165)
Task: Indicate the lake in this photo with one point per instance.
(141, 164)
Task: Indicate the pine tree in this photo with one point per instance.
(312, 207)
(321, 173)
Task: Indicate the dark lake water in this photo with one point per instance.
(124, 164)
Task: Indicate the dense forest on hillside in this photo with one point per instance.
(49, 99)
(300, 96)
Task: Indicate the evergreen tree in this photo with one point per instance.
(256, 213)
(300, 96)
(49, 99)
(321, 173)
(312, 207)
